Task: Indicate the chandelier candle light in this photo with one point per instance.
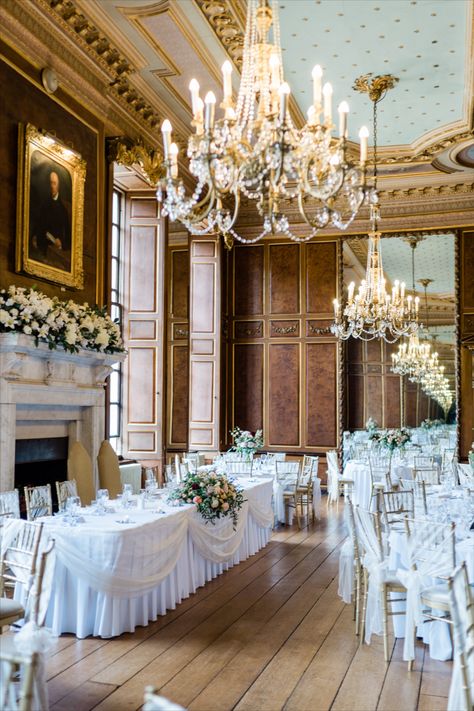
(254, 149)
(372, 312)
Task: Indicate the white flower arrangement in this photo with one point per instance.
(371, 424)
(246, 443)
(58, 323)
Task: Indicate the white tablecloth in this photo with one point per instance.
(359, 473)
(111, 576)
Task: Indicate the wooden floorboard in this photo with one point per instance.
(269, 634)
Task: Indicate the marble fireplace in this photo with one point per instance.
(48, 394)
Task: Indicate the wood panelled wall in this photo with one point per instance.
(177, 368)
(282, 361)
(24, 100)
(374, 391)
(143, 316)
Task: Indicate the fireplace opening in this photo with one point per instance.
(40, 461)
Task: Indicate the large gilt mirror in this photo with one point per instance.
(374, 388)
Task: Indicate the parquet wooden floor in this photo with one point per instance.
(269, 634)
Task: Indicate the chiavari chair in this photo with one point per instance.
(18, 565)
(461, 599)
(431, 477)
(10, 503)
(378, 582)
(287, 475)
(423, 461)
(396, 505)
(432, 554)
(65, 489)
(38, 501)
(28, 658)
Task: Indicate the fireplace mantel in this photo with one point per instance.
(46, 393)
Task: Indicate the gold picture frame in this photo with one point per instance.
(50, 209)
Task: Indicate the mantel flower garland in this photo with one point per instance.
(58, 323)
(213, 493)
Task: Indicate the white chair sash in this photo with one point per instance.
(346, 571)
(437, 561)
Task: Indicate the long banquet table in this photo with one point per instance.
(112, 576)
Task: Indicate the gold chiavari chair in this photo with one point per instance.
(431, 477)
(10, 503)
(65, 489)
(38, 501)
(358, 574)
(287, 475)
(369, 534)
(432, 548)
(31, 693)
(461, 598)
(396, 505)
(109, 469)
(18, 565)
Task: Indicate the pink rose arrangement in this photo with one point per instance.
(214, 495)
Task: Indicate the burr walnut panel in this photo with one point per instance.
(179, 396)
(180, 283)
(248, 280)
(248, 378)
(321, 385)
(178, 349)
(321, 276)
(284, 394)
(467, 256)
(284, 279)
(282, 360)
(392, 401)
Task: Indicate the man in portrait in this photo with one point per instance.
(51, 233)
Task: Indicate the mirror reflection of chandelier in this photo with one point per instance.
(373, 312)
(255, 151)
(419, 364)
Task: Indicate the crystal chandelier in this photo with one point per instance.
(412, 356)
(372, 312)
(255, 151)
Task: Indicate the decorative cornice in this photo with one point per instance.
(109, 58)
(226, 25)
(426, 155)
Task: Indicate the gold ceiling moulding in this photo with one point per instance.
(148, 161)
(375, 86)
(96, 44)
(226, 26)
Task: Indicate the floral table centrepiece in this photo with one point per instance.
(391, 439)
(58, 323)
(371, 425)
(429, 424)
(245, 443)
(214, 495)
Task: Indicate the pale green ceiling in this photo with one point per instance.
(423, 42)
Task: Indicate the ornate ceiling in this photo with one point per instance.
(131, 62)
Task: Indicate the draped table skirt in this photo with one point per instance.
(111, 577)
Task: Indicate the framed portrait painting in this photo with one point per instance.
(50, 209)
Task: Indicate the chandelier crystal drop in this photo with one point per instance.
(254, 150)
